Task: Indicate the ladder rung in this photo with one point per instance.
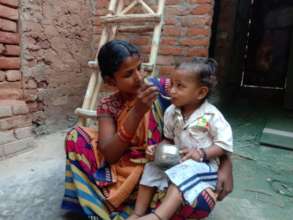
(147, 67)
(135, 29)
(131, 18)
(85, 113)
(92, 63)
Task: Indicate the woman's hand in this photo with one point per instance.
(190, 153)
(150, 152)
(147, 94)
(225, 178)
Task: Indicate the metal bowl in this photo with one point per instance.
(166, 155)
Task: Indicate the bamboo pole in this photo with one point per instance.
(131, 18)
(94, 76)
(136, 29)
(146, 7)
(157, 35)
(84, 113)
(129, 7)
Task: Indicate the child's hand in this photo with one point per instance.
(190, 153)
(150, 152)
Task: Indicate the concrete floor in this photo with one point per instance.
(31, 184)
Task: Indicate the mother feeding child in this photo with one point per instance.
(103, 169)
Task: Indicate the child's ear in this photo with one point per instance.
(110, 81)
(203, 92)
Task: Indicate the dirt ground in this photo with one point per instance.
(31, 184)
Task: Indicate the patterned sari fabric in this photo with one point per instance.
(103, 191)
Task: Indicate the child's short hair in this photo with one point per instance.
(205, 69)
(112, 54)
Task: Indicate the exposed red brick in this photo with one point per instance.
(166, 70)
(165, 60)
(11, 3)
(171, 41)
(9, 38)
(2, 76)
(145, 49)
(12, 50)
(2, 48)
(8, 12)
(167, 50)
(5, 110)
(201, 52)
(7, 25)
(192, 20)
(20, 108)
(172, 2)
(171, 31)
(11, 94)
(15, 122)
(103, 3)
(197, 31)
(102, 12)
(14, 85)
(9, 63)
(141, 41)
(170, 20)
(202, 9)
(13, 75)
(200, 1)
(177, 10)
(195, 42)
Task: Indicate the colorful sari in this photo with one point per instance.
(103, 191)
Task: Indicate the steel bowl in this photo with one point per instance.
(166, 155)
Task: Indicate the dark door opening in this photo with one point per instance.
(263, 47)
(267, 46)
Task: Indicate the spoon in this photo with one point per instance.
(162, 95)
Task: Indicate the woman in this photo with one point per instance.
(103, 170)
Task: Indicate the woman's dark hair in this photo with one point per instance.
(205, 69)
(112, 54)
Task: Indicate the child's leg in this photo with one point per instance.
(143, 200)
(169, 206)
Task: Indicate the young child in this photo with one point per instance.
(203, 135)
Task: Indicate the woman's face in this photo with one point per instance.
(128, 79)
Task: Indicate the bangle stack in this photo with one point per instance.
(124, 135)
(203, 155)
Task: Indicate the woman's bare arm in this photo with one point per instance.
(111, 145)
(225, 177)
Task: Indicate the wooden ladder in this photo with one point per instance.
(118, 20)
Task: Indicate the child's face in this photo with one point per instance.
(186, 89)
(128, 79)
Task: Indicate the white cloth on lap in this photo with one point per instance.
(191, 178)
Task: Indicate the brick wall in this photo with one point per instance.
(186, 32)
(15, 118)
(39, 92)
